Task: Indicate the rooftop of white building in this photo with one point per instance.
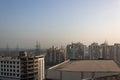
(8, 58)
(18, 57)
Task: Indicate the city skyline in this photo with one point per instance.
(61, 22)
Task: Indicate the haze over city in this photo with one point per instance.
(58, 22)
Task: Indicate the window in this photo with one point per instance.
(10, 62)
(7, 74)
(17, 75)
(1, 69)
(17, 62)
(1, 65)
(4, 65)
(7, 61)
(1, 73)
(10, 69)
(1, 61)
(4, 61)
(17, 70)
(4, 69)
(7, 65)
(10, 66)
(10, 74)
(13, 66)
(7, 69)
(14, 70)
(17, 66)
(14, 74)
(4, 73)
(13, 62)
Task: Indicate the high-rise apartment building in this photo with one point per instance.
(55, 56)
(117, 52)
(94, 51)
(110, 52)
(75, 51)
(24, 67)
(104, 50)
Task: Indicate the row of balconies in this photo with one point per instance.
(29, 69)
(28, 64)
(29, 60)
(29, 75)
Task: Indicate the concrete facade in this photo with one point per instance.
(55, 75)
(94, 51)
(24, 67)
(75, 51)
(82, 69)
(55, 56)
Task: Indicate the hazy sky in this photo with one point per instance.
(58, 22)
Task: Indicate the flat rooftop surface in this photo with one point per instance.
(87, 66)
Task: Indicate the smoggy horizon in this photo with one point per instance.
(53, 22)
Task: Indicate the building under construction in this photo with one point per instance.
(23, 67)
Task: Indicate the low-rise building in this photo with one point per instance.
(82, 70)
(23, 67)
